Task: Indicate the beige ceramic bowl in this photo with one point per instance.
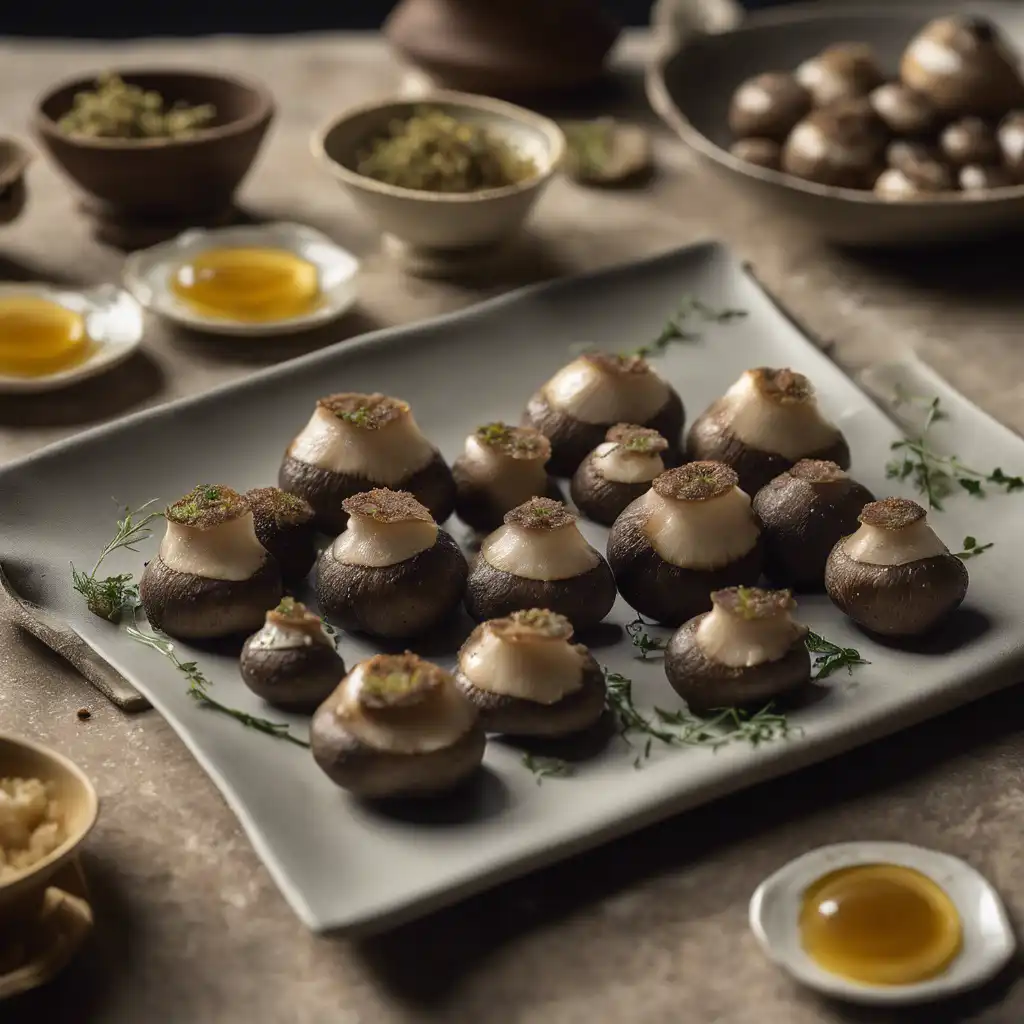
(21, 898)
(438, 221)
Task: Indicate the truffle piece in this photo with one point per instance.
(284, 526)
(768, 105)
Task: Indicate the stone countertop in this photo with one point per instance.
(650, 929)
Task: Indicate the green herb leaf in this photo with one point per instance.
(831, 657)
(642, 640)
(690, 309)
(971, 548)
(548, 767)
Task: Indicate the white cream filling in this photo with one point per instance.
(790, 429)
(743, 643)
(700, 534)
(277, 637)
(437, 722)
(384, 456)
(592, 395)
(539, 554)
(875, 546)
(366, 541)
(510, 481)
(622, 466)
(542, 671)
(227, 551)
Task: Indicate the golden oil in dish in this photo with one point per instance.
(253, 285)
(880, 924)
(39, 337)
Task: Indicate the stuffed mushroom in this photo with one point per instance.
(500, 468)
(354, 442)
(617, 472)
(527, 677)
(767, 421)
(692, 533)
(395, 727)
(291, 662)
(840, 72)
(893, 576)
(211, 577)
(583, 400)
(804, 512)
(539, 559)
(747, 650)
(284, 526)
(392, 572)
(839, 145)
(768, 105)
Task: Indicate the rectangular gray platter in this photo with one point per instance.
(342, 865)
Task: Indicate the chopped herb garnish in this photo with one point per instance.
(547, 767)
(107, 597)
(642, 640)
(972, 548)
(676, 328)
(198, 687)
(830, 657)
(934, 475)
(358, 417)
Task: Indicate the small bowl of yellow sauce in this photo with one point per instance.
(882, 923)
(52, 337)
(251, 281)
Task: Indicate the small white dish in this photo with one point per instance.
(148, 272)
(113, 322)
(988, 941)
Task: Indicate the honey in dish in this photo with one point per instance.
(880, 924)
(254, 285)
(39, 337)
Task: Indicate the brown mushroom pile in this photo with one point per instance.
(952, 120)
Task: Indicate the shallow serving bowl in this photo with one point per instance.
(21, 897)
(441, 221)
(691, 82)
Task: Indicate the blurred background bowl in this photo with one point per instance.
(14, 161)
(691, 82)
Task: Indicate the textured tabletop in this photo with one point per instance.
(650, 929)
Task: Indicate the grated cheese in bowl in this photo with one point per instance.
(31, 825)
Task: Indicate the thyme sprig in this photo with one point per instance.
(830, 657)
(971, 548)
(199, 685)
(642, 640)
(677, 327)
(934, 475)
(547, 767)
(107, 597)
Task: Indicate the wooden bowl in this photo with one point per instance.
(14, 161)
(22, 896)
(691, 83)
(162, 179)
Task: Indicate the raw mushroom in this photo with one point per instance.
(1011, 142)
(894, 184)
(594, 392)
(768, 105)
(970, 141)
(841, 71)
(291, 662)
(392, 572)
(767, 421)
(354, 442)
(746, 651)
(903, 111)
(840, 145)
(804, 512)
(762, 152)
(539, 559)
(617, 471)
(211, 576)
(527, 677)
(974, 178)
(963, 66)
(284, 526)
(921, 164)
(693, 532)
(395, 727)
(500, 468)
(894, 576)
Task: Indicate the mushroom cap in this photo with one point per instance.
(762, 152)
(191, 607)
(284, 526)
(963, 65)
(837, 145)
(970, 141)
(666, 593)
(706, 685)
(397, 601)
(325, 490)
(804, 512)
(903, 111)
(921, 164)
(601, 500)
(768, 105)
(584, 600)
(894, 184)
(291, 678)
(896, 600)
(841, 71)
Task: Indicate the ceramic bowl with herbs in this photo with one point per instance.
(447, 172)
(155, 144)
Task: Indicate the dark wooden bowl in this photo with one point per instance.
(161, 179)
